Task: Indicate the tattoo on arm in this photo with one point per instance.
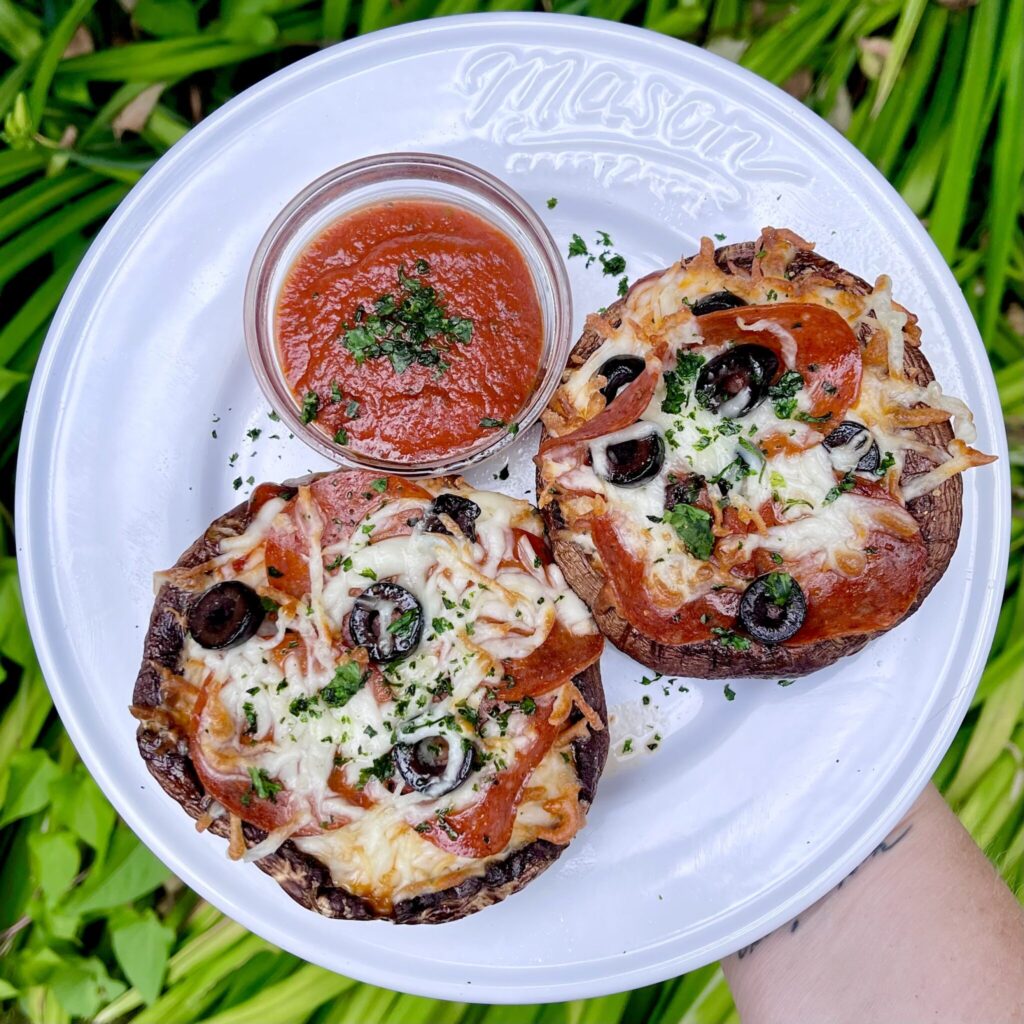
(890, 842)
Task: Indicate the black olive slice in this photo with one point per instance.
(715, 302)
(620, 371)
(387, 620)
(851, 446)
(736, 381)
(633, 462)
(434, 765)
(463, 511)
(772, 608)
(225, 615)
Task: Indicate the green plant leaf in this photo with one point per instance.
(129, 872)
(166, 17)
(142, 945)
(79, 805)
(28, 784)
(15, 642)
(82, 986)
(55, 860)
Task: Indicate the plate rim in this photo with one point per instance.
(509, 990)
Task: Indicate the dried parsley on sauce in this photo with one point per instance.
(411, 326)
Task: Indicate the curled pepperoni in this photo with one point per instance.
(484, 828)
(627, 408)
(556, 661)
(343, 501)
(828, 355)
(223, 760)
(625, 575)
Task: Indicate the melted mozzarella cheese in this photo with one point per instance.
(481, 601)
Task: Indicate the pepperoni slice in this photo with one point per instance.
(338, 783)
(627, 408)
(484, 828)
(876, 599)
(625, 574)
(343, 500)
(556, 661)
(346, 499)
(828, 355)
(221, 760)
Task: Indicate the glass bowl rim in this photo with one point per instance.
(541, 255)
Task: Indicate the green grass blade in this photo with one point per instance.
(36, 241)
(31, 202)
(50, 55)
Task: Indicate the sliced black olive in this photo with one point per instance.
(434, 765)
(387, 620)
(736, 381)
(225, 615)
(715, 302)
(772, 608)
(620, 371)
(630, 463)
(462, 510)
(683, 490)
(852, 446)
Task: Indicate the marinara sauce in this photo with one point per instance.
(354, 323)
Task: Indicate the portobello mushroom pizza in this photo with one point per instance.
(749, 468)
(382, 692)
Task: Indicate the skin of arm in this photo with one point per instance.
(923, 930)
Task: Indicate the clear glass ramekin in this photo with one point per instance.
(403, 176)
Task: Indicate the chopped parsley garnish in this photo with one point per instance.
(368, 573)
(612, 265)
(786, 682)
(412, 327)
(263, 785)
(688, 366)
(250, 718)
(303, 705)
(405, 623)
(272, 570)
(780, 587)
(577, 247)
(552, 203)
(627, 746)
(440, 625)
(491, 423)
(776, 558)
(846, 484)
(783, 393)
(341, 436)
(348, 680)
(336, 393)
(382, 768)
(527, 705)
(730, 693)
(806, 417)
(310, 406)
(694, 528)
(727, 638)
(380, 485)
(237, 482)
(623, 286)
(269, 604)
(888, 461)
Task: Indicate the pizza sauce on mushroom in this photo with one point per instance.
(382, 672)
(734, 451)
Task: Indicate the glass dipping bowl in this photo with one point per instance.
(398, 176)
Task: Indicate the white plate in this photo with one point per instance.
(751, 808)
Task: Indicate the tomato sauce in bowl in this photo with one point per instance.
(409, 330)
(408, 313)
